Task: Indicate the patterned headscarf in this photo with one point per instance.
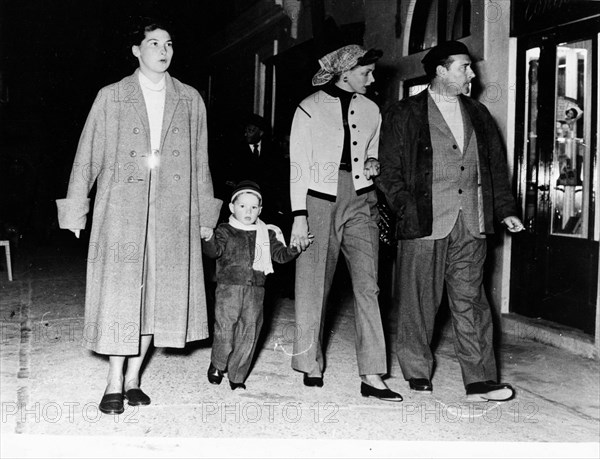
(338, 62)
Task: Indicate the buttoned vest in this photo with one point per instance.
(454, 176)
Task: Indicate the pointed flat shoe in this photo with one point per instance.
(112, 404)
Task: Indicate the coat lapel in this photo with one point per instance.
(171, 100)
(468, 127)
(136, 98)
(436, 119)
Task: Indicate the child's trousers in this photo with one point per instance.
(238, 321)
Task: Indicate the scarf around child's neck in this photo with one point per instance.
(262, 251)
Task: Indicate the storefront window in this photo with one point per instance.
(570, 179)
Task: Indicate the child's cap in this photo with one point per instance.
(246, 186)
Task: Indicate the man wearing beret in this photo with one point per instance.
(444, 173)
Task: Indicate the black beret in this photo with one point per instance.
(443, 50)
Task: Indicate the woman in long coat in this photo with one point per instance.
(145, 144)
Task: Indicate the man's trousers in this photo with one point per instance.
(422, 268)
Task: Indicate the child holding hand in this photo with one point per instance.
(244, 248)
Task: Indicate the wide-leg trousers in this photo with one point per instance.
(348, 225)
(422, 268)
(238, 321)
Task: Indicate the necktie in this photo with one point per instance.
(255, 150)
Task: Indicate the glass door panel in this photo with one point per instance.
(570, 166)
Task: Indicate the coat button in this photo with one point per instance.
(454, 146)
(175, 130)
(175, 152)
(462, 168)
(354, 126)
(136, 130)
(357, 177)
(459, 191)
(355, 143)
(176, 177)
(132, 153)
(352, 112)
(130, 179)
(355, 160)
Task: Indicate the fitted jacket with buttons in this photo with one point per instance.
(316, 144)
(234, 250)
(113, 152)
(406, 165)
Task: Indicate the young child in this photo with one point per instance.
(244, 249)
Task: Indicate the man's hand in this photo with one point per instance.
(206, 233)
(371, 168)
(300, 237)
(513, 224)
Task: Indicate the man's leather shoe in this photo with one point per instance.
(136, 397)
(237, 385)
(215, 376)
(111, 404)
(420, 385)
(313, 381)
(489, 391)
(387, 395)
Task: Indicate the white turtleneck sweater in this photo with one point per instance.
(154, 97)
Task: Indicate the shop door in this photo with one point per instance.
(555, 262)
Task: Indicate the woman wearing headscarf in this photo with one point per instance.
(333, 155)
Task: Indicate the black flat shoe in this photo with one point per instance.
(136, 397)
(237, 385)
(215, 376)
(313, 381)
(387, 395)
(489, 391)
(111, 404)
(420, 385)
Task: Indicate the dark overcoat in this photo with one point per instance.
(112, 152)
(406, 157)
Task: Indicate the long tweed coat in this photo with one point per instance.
(113, 151)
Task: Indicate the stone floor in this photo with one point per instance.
(51, 386)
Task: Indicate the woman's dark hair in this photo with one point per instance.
(143, 25)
